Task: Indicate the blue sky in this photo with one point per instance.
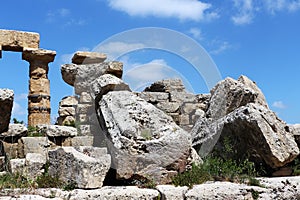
(260, 39)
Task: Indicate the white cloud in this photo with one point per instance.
(245, 13)
(274, 6)
(63, 16)
(18, 109)
(279, 105)
(63, 12)
(182, 9)
(66, 58)
(117, 49)
(222, 46)
(196, 33)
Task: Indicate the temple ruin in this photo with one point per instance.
(39, 85)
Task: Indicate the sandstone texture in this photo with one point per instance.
(6, 104)
(18, 40)
(86, 167)
(81, 57)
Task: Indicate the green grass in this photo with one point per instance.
(218, 169)
(34, 132)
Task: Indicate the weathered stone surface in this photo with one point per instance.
(168, 85)
(144, 140)
(154, 97)
(106, 83)
(256, 131)
(10, 150)
(6, 104)
(15, 131)
(36, 118)
(170, 192)
(81, 76)
(229, 95)
(114, 193)
(39, 86)
(11, 40)
(251, 84)
(34, 164)
(81, 57)
(35, 145)
(17, 165)
(38, 55)
(28, 197)
(66, 111)
(71, 165)
(65, 120)
(58, 131)
(68, 101)
(2, 163)
(222, 190)
(68, 72)
(169, 107)
(82, 141)
(85, 97)
(296, 131)
(182, 97)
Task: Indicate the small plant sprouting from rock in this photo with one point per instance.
(15, 121)
(146, 134)
(34, 132)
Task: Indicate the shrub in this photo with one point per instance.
(34, 132)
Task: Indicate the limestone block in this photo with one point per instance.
(168, 85)
(85, 130)
(184, 119)
(11, 150)
(83, 118)
(68, 101)
(40, 56)
(188, 108)
(17, 165)
(169, 107)
(11, 40)
(81, 57)
(115, 68)
(82, 141)
(116, 193)
(85, 108)
(57, 131)
(15, 131)
(170, 192)
(86, 171)
(66, 111)
(35, 145)
(39, 101)
(154, 97)
(182, 97)
(85, 97)
(34, 163)
(107, 83)
(39, 86)
(6, 104)
(65, 120)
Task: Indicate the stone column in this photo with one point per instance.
(39, 85)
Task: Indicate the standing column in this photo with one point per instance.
(39, 85)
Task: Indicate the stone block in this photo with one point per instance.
(34, 163)
(85, 97)
(170, 192)
(11, 40)
(168, 107)
(11, 150)
(39, 86)
(154, 97)
(85, 171)
(182, 97)
(39, 145)
(85, 130)
(82, 141)
(184, 120)
(6, 104)
(85, 108)
(81, 57)
(68, 101)
(66, 111)
(17, 165)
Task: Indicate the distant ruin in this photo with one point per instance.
(39, 85)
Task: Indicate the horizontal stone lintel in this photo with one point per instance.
(12, 40)
(30, 54)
